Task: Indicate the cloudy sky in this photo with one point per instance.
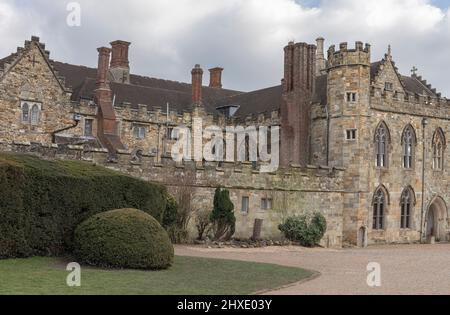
(246, 37)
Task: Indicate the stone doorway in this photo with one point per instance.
(362, 237)
(436, 221)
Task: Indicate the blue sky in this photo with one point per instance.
(246, 37)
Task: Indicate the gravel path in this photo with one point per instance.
(408, 269)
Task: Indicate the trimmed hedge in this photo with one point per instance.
(42, 202)
(126, 238)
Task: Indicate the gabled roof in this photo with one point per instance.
(16, 57)
(413, 84)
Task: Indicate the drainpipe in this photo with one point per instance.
(424, 125)
(76, 118)
(328, 134)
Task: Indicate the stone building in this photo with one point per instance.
(359, 142)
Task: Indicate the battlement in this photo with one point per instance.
(157, 114)
(151, 167)
(406, 100)
(360, 55)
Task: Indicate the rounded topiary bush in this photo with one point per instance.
(126, 238)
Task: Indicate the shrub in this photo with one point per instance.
(305, 229)
(170, 213)
(126, 238)
(41, 202)
(203, 223)
(222, 216)
(173, 222)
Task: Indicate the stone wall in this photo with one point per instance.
(30, 79)
(349, 72)
(294, 191)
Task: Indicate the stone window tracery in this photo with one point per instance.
(408, 144)
(30, 113)
(438, 150)
(25, 113)
(406, 208)
(379, 209)
(381, 146)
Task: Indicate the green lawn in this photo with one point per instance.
(188, 276)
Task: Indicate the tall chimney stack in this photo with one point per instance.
(197, 84)
(299, 84)
(215, 80)
(103, 94)
(106, 116)
(321, 62)
(120, 64)
(103, 66)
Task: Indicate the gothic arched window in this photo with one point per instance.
(379, 209)
(381, 146)
(25, 113)
(407, 202)
(438, 150)
(35, 115)
(408, 145)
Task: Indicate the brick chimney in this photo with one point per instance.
(120, 64)
(298, 87)
(215, 78)
(103, 66)
(106, 116)
(197, 84)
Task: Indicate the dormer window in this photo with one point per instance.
(388, 86)
(351, 97)
(229, 110)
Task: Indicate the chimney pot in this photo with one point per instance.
(215, 77)
(120, 54)
(120, 64)
(321, 62)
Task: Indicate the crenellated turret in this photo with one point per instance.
(344, 56)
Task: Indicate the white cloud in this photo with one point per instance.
(244, 36)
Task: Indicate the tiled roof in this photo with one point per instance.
(256, 102)
(416, 86)
(374, 68)
(141, 90)
(155, 92)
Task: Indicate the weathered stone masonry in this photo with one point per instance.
(332, 112)
(292, 190)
